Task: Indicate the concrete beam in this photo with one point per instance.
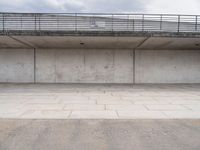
(97, 42)
(81, 42)
(7, 42)
(157, 43)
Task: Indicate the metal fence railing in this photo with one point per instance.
(98, 22)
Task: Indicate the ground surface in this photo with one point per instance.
(93, 101)
(99, 134)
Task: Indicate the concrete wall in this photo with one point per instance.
(99, 66)
(84, 66)
(16, 65)
(167, 66)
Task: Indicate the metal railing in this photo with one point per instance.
(98, 22)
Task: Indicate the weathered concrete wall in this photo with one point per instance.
(84, 66)
(99, 66)
(17, 65)
(167, 66)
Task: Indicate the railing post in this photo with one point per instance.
(127, 22)
(112, 22)
(133, 24)
(179, 17)
(143, 22)
(196, 23)
(57, 22)
(3, 17)
(161, 18)
(21, 22)
(35, 22)
(75, 21)
(39, 21)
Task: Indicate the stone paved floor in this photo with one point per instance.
(96, 101)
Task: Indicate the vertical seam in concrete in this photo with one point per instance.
(113, 65)
(84, 56)
(34, 51)
(55, 65)
(138, 66)
(139, 45)
(133, 66)
(84, 65)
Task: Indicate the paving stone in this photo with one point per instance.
(141, 98)
(117, 102)
(193, 107)
(182, 114)
(42, 101)
(44, 106)
(125, 107)
(15, 115)
(86, 107)
(71, 98)
(84, 101)
(93, 115)
(169, 98)
(165, 107)
(151, 102)
(45, 115)
(141, 115)
(191, 102)
(10, 108)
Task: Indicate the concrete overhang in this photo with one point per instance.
(102, 40)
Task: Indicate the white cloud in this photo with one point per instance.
(115, 6)
(174, 6)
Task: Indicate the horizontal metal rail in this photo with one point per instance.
(98, 22)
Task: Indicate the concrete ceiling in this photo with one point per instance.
(81, 42)
(8, 42)
(157, 43)
(100, 42)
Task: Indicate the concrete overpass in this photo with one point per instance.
(99, 48)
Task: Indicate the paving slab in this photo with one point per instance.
(165, 107)
(93, 115)
(141, 115)
(45, 114)
(99, 101)
(85, 107)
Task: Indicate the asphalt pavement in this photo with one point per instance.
(99, 134)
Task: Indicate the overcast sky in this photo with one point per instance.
(115, 6)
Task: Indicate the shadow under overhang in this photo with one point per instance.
(104, 40)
